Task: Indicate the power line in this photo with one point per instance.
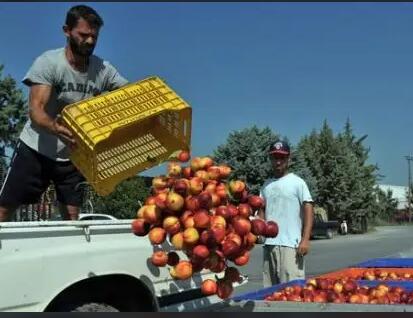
(409, 196)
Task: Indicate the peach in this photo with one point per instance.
(271, 229)
(210, 187)
(182, 270)
(249, 240)
(234, 237)
(201, 219)
(150, 200)
(217, 234)
(229, 248)
(185, 215)
(187, 172)
(174, 169)
(140, 227)
(354, 299)
(151, 214)
(157, 235)
(174, 201)
(256, 202)
(216, 200)
(236, 186)
(139, 213)
(159, 258)
(181, 186)
(209, 287)
(222, 210)
(183, 156)
(349, 286)
(205, 200)
(177, 241)
(225, 171)
(244, 210)
(338, 287)
(200, 251)
(203, 175)
(258, 226)
(155, 191)
(242, 259)
(221, 191)
(214, 173)
(171, 225)
(241, 226)
(189, 222)
(206, 163)
(196, 185)
(191, 203)
(196, 164)
(232, 210)
(160, 200)
(218, 221)
(191, 236)
(159, 182)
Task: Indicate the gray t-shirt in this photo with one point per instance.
(68, 86)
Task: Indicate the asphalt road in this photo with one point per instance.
(341, 251)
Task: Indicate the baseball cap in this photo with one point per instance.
(279, 148)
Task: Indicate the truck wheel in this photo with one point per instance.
(329, 234)
(95, 307)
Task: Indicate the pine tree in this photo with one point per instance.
(13, 109)
(246, 151)
(344, 181)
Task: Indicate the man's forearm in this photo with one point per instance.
(42, 119)
(308, 221)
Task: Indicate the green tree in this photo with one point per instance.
(344, 181)
(246, 151)
(301, 168)
(385, 205)
(13, 110)
(124, 202)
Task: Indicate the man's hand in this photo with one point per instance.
(63, 132)
(303, 247)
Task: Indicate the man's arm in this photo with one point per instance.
(304, 245)
(38, 99)
(261, 213)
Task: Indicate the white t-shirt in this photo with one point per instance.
(68, 86)
(284, 198)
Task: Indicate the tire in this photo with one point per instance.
(95, 307)
(329, 234)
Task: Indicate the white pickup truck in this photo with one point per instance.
(88, 266)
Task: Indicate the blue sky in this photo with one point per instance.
(288, 66)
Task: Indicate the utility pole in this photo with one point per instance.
(409, 196)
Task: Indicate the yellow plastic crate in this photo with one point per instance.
(126, 131)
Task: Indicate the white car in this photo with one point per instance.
(95, 216)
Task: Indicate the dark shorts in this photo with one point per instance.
(29, 175)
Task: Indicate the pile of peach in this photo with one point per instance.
(384, 274)
(197, 209)
(323, 290)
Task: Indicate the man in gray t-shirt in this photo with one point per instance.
(57, 78)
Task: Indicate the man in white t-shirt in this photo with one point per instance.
(289, 203)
